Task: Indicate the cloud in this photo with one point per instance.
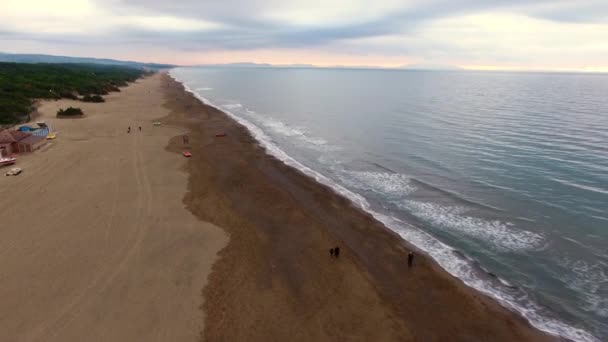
(445, 31)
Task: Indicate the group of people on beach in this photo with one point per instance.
(129, 129)
(334, 252)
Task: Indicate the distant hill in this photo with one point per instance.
(425, 66)
(255, 65)
(431, 66)
(34, 58)
(285, 66)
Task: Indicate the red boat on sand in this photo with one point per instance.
(187, 154)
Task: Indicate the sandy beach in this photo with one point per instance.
(95, 242)
(114, 236)
(275, 280)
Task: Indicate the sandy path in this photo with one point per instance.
(95, 242)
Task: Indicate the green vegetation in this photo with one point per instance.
(71, 111)
(21, 84)
(93, 98)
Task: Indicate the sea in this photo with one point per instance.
(501, 177)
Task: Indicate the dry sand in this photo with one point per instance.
(95, 242)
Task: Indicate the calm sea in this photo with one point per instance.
(501, 177)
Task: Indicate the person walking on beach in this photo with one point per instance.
(129, 129)
(410, 259)
(331, 252)
(337, 252)
(140, 128)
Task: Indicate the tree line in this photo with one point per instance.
(21, 84)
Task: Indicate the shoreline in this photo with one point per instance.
(375, 255)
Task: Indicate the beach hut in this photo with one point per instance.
(42, 132)
(18, 141)
(5, 149)
(31, 143)
(9, 139)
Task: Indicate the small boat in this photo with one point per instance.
(220, 135)
(156, 123)
(14, 171)
(7, 161)
(187, 154)
(51, 136)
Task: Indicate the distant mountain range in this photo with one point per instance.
(431, 66)
(35, 58)
(310, 66)
(38, 58)
(255, 65)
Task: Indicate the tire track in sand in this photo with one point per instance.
(50, 328)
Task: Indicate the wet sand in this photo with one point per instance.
(95, 241)
(275, 280)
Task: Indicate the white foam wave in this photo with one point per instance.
(204, 89)
(590, 280)
(391, 184)
(298, 133)
(463, 269)
(501, 234)
(440, 252)
(282, 128)
(231, 106)
(266, 142)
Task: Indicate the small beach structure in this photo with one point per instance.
(20, 142)
(187, 154)
(9, 140)
(5, 150)
(26, 129)
(31, 143)
(43, 124)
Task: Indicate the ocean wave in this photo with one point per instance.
(591, 281)
(463, 268)
(203, 89)
(282, 128)
(391, 184)
(440, 252)
(501, 234)
(231, 106)
(581, 186)
(299, 133)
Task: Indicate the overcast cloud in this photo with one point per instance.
(516, 34)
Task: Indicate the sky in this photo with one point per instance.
(557, 35)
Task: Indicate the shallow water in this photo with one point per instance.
(501, 177)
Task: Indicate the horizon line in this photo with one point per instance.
(402, 68)
(412, 67)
